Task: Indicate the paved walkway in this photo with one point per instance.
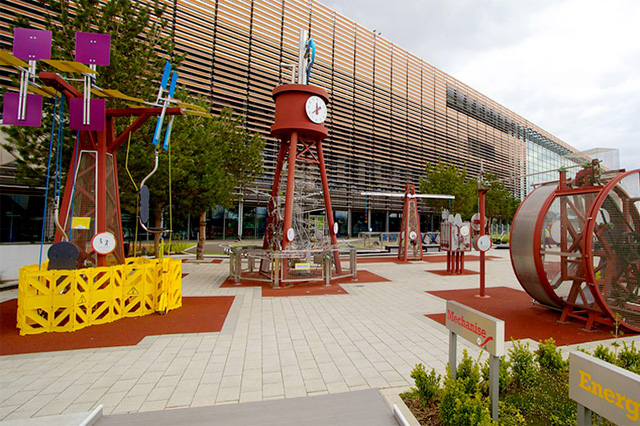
(269, 348)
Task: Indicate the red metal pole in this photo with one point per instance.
(101, 196)
(327, 204)
(481, 199)
(274, 193)
(291, 174)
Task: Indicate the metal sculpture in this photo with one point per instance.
(293, 250)
(455, 239)
(575, 246)
(89, 229)
(410, 239)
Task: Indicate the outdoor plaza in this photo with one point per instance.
(302, 341)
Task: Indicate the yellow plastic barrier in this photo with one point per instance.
(68, 300)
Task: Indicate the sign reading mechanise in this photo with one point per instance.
(484, 330)
(604, 388)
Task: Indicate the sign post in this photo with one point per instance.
(607, 389)
(482, 330)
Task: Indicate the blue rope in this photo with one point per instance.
(46, 188)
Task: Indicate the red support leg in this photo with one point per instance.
(291, 174)
(274, 193)
(327, 204)
(101, 196)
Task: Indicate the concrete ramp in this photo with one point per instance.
(358, 408)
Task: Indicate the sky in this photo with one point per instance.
(572, 67)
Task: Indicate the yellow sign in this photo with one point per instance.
(302, 266)
(81, 223)
(132, 292)
(604, 388)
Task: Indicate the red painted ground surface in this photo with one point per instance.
(201, 261)
(197, 315)
(313, 288)
(443, 258)
(444, 273)
(521, 319)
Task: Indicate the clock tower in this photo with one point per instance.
(301, 110)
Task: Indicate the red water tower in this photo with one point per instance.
(301, 111)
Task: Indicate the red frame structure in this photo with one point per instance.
(410, 248)
(103, 142)
(298, 136)
(594, 293)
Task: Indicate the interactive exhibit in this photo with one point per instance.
(295, 247)
(575, 246)
(410, 238)
(87, 279)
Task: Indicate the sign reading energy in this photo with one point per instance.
(604, 388)
(477, 327)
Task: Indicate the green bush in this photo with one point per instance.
(473, 410)
(509, 415)
(459, 408)
(604, 353)
(523, 367)
(504, 376)
(629, 358)
(549, 357)
(451, 392)
(468, 373)
(427, 385)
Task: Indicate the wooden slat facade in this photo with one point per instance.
(390, 111)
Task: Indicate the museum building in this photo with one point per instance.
(390, 112)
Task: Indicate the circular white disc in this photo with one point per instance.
(291, 234)
(483, 243)
(464, 230)
(104, 243)
(316, 109)
(413, 235)
(475, 222)
(335, 228)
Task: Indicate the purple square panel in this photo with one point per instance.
(93, 48)
(31, 44)
(97, 114)
(33, 113)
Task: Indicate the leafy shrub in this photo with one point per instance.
(549, 357)
(459, 408)
(629, 358)
(509, 415)
(427, 385)
(604, 353)
(452, 391)
(545, 401)
(504, 377)
(473, 410)
(523, 367)
(468, 373)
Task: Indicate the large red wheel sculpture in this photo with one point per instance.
(575, 246)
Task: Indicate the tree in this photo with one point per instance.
(445, 178)
(213, 156)
(500, 202)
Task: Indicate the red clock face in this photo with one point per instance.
(316, 109)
